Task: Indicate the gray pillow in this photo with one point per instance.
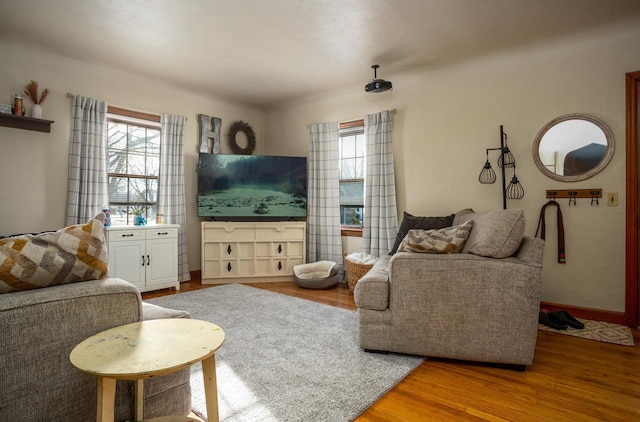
(496, 234)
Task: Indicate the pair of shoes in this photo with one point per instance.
(551, 319)
(566, 317)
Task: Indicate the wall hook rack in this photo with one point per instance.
(573, 194)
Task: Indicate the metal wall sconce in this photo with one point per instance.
(487, 176)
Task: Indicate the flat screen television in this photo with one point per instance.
(241, 187)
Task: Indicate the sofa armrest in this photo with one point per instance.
(372, 290)
(531, 251)
(40, 328)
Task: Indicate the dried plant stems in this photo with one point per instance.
(32, 92)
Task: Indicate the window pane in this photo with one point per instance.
(137, 190)
(348, 146)
(136, 164)
(352, 193)
(348, 169)
(153, 165)
(152, 190)
(137, 139)
(117, 161)
(360, 145)
(117, 189)
(359, 168)
(153, 141)
(117, 136)
(351, 216)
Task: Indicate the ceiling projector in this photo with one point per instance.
(377, 85)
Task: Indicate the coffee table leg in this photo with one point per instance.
(106, 399)
(139, 399)
(210, 388)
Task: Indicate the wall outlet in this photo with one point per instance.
(612, 199)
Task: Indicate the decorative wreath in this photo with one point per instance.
(241, 126)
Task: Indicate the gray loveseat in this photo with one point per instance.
(40, 328)
(460, 306)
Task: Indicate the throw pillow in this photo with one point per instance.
(447, 240)
(426, 223)
(72, 254)
(496, 234)
(463, 216)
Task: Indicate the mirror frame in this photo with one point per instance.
(575, 116)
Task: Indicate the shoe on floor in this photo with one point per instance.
(552, 320)
(566, 317)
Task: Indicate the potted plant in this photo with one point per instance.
(138, 211)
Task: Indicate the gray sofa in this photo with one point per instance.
(40, 328)
(460, 306)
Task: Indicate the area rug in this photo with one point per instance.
(599, 331)
(285, 358)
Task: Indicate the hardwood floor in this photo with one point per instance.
(571, 379)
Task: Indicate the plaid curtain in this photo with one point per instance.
(171, 196)
(88, 189)
(380, 211)
(323, 220)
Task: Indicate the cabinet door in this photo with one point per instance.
(127, 261)
(161, 261)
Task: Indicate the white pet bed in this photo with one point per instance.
(317, 275)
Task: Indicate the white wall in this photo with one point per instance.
(33, 165)
(446, 118)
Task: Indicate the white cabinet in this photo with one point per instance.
(146, 256)
(233, 252)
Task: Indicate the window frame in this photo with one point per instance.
(351, 231)
(139, 119)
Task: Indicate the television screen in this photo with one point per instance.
(241, 186)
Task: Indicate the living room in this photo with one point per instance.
(447, 114)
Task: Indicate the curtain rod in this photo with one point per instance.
(71, 95)
(393, 111)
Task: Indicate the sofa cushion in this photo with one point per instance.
(72, 254)
(426, 223)
(151, 311)
(447, 240)
(495, 234)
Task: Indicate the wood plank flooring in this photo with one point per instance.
(571, 379)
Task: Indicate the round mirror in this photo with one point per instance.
(573, 147)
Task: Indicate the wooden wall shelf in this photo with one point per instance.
(27, 123)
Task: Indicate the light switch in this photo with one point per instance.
(612, 199)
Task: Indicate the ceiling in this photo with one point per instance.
(265, 52)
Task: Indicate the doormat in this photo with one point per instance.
(597, 330)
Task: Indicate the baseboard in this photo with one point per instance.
(195, 274)
(587, 313)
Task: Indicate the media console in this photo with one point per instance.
(251, 251)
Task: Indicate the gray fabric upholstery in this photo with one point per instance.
(458, 306)
(39, 330)
(151, 311)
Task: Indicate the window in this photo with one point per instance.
(352, 173)
(133, 151)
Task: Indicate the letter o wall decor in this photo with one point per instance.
(243, 127)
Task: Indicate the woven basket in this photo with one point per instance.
(355, 272)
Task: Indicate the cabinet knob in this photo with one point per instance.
(279, 248)
(279, 265)
(229, 249)
(229, 267)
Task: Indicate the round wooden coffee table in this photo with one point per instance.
(149, 349)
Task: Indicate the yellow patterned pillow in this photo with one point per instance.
(74, 253)
(447, 240)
